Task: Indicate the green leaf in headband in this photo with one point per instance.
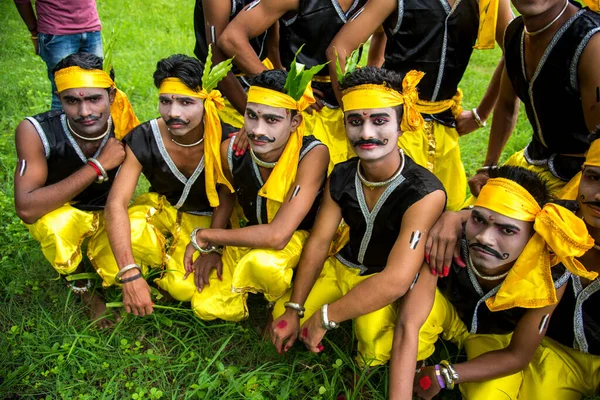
(351, 63)
(298, 78)
(211, 76)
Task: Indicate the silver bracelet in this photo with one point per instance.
(296, 306)
(478, 120)
(210, 249)
(101, 168)
(325, 322)
(126, 268)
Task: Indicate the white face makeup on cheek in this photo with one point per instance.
(373, 133)
(268, 128)
(181, 114)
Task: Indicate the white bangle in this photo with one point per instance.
(478, 120)
(209, 249)
(126, 268)
(100, 167)
(325, 322)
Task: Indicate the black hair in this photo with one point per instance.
(374, 76)
(82, 60)
(272, 79)
(187, 69)
(532, 182)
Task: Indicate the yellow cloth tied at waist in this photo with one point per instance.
(436, 107)
(284, 174)
(592, 159)
(121, 111)
(559, 237)
(213, 101)
(372, 96)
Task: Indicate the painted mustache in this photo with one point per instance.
(176, 121)
(377, 142)
(261, 138)
(488, 249)
(88, 118)
(592, 203)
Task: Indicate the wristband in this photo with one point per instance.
(103, 177)
(296, 306)
(480, 123)
(325, 322)
(131, 278)
(438, 375)
(125, 269)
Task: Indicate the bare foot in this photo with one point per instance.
(96, 309)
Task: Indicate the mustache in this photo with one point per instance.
(489, 250)
(377, 142)
(174, 121)
(88, 118)
(261, 138)
(592, 203)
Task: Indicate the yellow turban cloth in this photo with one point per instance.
(371, 96)
(284, 174)
(594, 5)
(122, 114)
(592, 159)
(488, 17)
(213, 101)
(559, 237)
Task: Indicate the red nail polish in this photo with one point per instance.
(234, 147)
(434, 272)
(427, 258)
(459, 262)
(282, 324)
(425, 382)
(304, 332)
(446, 270)
(320, 347)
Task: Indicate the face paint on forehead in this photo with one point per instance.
(81, 94)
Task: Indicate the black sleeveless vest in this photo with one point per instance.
(428, 36)
(462, 289)
(314, 25)
(373, 234)
(64, 157)
(575, 322)
(552, 98)
(247, 182)
(185, 194)
(259, 43)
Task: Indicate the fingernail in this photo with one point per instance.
(282, 324)
(243, 151)
(286, 349)
(433, 271)
(425, 382)
(427, 258)
(304, 332)
(234, 147)
(459, 262)
(446, 270)
(320, 347)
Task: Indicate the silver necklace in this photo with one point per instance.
(262, 163)
(484, 277)
(550, 23)
(373, 185)
(188, 145)
(88, 139)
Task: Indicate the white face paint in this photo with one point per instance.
(373, 133)
(269, 128)
(181, 114)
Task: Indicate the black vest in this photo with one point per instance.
(247, 182)
(314, 25)
(373, 234)
(425, 35)
(259, 43)
(64, 157)
(462, 289)
(185, 194)
(552, 99)
(575, 322)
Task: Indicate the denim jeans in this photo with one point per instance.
(54, 48)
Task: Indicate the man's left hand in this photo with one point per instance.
(466, 123)
(426, 384)
(312, 333)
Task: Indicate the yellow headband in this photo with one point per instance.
(213, 101)
(559, 237)
(284, 174)
(124, 119)
(592, 157)
(371, 96)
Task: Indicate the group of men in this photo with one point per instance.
(352, 191)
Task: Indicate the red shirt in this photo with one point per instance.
(66, 17)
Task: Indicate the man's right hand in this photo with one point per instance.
(477, 181)
(318, 104)
(284, 330)
(112, 154)
(443, 244)
(136, 296)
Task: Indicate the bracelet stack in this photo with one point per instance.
(210, 249)
(100, 171)
(125, 269)
(447, 373)
(325, 322)
(296, 306)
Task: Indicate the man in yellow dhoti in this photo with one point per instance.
(179, 155)
(67, 162)
(278, 184)
(389, 204)
(519, 249)
(569, 362)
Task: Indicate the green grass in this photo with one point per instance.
(49, 348)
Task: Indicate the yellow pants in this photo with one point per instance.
(61, 233)
(444, 321)
(435, 147)
(152, 220)
(374, 331)
(248, 270)
(565, 372)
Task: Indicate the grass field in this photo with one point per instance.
(48, 347)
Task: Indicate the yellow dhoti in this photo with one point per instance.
(565, 372)
(248, 270)
(61, 233)
(374, 331)
(153, 220)
(443, 320)
(435, 147)
(327, 125)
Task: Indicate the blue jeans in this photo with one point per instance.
(54, 48)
